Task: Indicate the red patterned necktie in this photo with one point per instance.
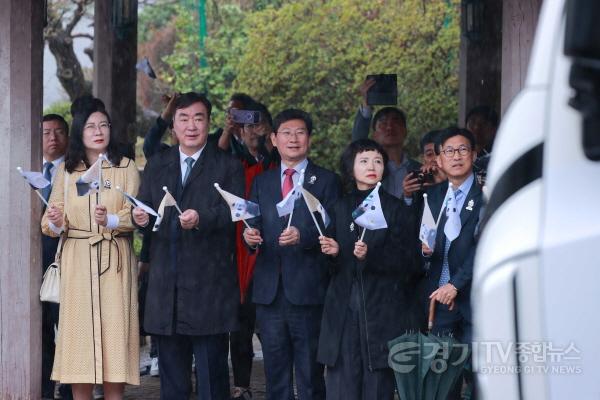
(288, 182)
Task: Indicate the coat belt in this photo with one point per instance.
(97, 239)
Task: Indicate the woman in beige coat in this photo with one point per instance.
(98, 335)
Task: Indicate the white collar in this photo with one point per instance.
(56, 162)
(195, 156)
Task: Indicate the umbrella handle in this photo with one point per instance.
(431, 315)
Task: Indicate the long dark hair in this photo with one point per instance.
(349, 155)
(76, 151)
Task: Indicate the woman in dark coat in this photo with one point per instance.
(371, 294)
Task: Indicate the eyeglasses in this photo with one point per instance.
(449, 152)
(103, 126)
(288, 134)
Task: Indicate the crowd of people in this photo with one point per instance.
(324, 301)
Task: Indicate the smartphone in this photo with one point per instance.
(384, 91)
(244, 116)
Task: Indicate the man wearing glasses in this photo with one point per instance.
(448, 277)
(291, 276)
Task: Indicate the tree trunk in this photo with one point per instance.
(68, 68)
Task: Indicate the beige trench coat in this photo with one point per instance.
(98, 333)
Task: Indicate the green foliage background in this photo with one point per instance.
(313, 54)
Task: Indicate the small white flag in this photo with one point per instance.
(137, 203)
(35, 179)
(452, 226)
(241, 209)
(285, 206)
(428, 230)
(369, 214)
(314, 205)
(89, 182)
(167, 201)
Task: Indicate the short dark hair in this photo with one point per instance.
(290, 114)
(76, 150)
(386, 111)
(430, 137)
(59, 118)
(487, 112)
(454, 131)
(243, 98)
(189, 98)
(349, 155)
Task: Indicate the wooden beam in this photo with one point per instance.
(519, 21)
(21, 78)
(480, 60)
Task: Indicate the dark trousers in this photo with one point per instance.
(350, 378)
(242, 351)
(49, 321)
(289, 337)
(175, 364)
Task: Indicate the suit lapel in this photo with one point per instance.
(473, 197)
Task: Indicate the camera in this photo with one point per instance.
(244, 116)
(423, 177)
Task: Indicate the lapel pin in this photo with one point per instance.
(352, 227)
(470, 205)
(107, 184)
(312, 180)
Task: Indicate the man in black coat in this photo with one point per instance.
(192, 290)
(291, 276)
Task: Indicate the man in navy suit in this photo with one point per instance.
(451, 260)
(291, 275)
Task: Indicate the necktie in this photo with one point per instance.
(452, 225)
(190, 163)
(288, 182)
(454, 215)
(48, 175)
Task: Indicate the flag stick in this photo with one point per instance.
(101, 184)
(313, 216)
(245, 223)
(42, 197)
(362, 236)
(290, 219)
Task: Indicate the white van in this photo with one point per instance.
(536, 283)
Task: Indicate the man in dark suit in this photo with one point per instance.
(55, 137)
(193, 295)
(291, 276)
(449, 265)
(451, 260)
